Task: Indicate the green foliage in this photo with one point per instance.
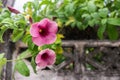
(1, 55)
(103, 12)
(24, 54)
(2, 30)
(101, 31)
(114, 21)
(80, 13)
(59, 59)
(4, 14)
(1, 5)
(91, 6)
(112, 32)
(75, 13)
(17, 35)
(33, 64)
(22, 68)
(3, 61)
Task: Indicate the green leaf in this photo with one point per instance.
(33, 64)
(91, 22)
(3, 61)
(69, 8)
(24, 54)
(22, 68)
(53, 46)
(79, 25)
(114, 21)
(17, 35)
(2, 31)
(20, 24)
(101, 31)
(112, 32)
(36, 4)
(95, 15)
(86, 16)
(117, 4)
(99, 3)
(73, 24)
(70, 20)
(8, 22)
(59, 50)
(103, 12)
(28, 5)
(26, 38)
(31, 45)
(112, 14)
(103, 21)
(2, 55)
(91, 6)
(5, 13)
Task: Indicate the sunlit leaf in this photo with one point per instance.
(3, 61)
(103, 12)
(22, 68)
(114, 21)
(24, 54)
(2, 31)
(70, 20)
(59, 50)
(101, 31)
(33, 64)
(17, 35)
(91, 6)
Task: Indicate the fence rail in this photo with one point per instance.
(80, 55)
(89, 59)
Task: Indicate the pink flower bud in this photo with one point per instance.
(30, 20)
(13, 10)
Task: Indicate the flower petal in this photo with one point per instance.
(48, 34)
(52, 57)
(43, 23)
(42, 64)
(38, 58)
(39, 61)
(38, 41)
(49, 39)
(34, 30)
(53, 27)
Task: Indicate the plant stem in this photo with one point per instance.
(61, 29)
(18, 59)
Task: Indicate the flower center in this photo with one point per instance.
(43, 32)
(40, 30)
(45, 56)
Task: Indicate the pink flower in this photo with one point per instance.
(45, 58)
(43, 32)
(13, 10)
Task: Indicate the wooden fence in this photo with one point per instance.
(89, 60)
